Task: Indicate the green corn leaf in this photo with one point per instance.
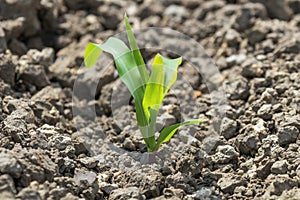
(115, 47)
(136, 52)
(170, 67)
(124, 61)
(92, 52)
(167, 133)
(129, 73)
(154, 92)
(163, 76)
(148, 92)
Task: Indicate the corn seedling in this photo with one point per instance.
(148, 92)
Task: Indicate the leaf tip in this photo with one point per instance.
(91, 54)
(179, 60)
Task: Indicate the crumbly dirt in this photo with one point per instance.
(59, 144)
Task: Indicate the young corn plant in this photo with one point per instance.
(148, 92)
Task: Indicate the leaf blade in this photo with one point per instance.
(167, 133)
(136, 52)
(154, 92)
(129, 74)
(170, 67)
(163, 76)
(91, 54)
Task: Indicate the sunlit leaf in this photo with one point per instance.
(154, 92)
(136, 52)
(167, 133)
(92, 52)
(129, 73)
(148, 92)
(163, 76)
(170, 68)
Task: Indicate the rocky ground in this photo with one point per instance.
(48, 152)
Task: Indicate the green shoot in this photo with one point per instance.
(148, 92)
